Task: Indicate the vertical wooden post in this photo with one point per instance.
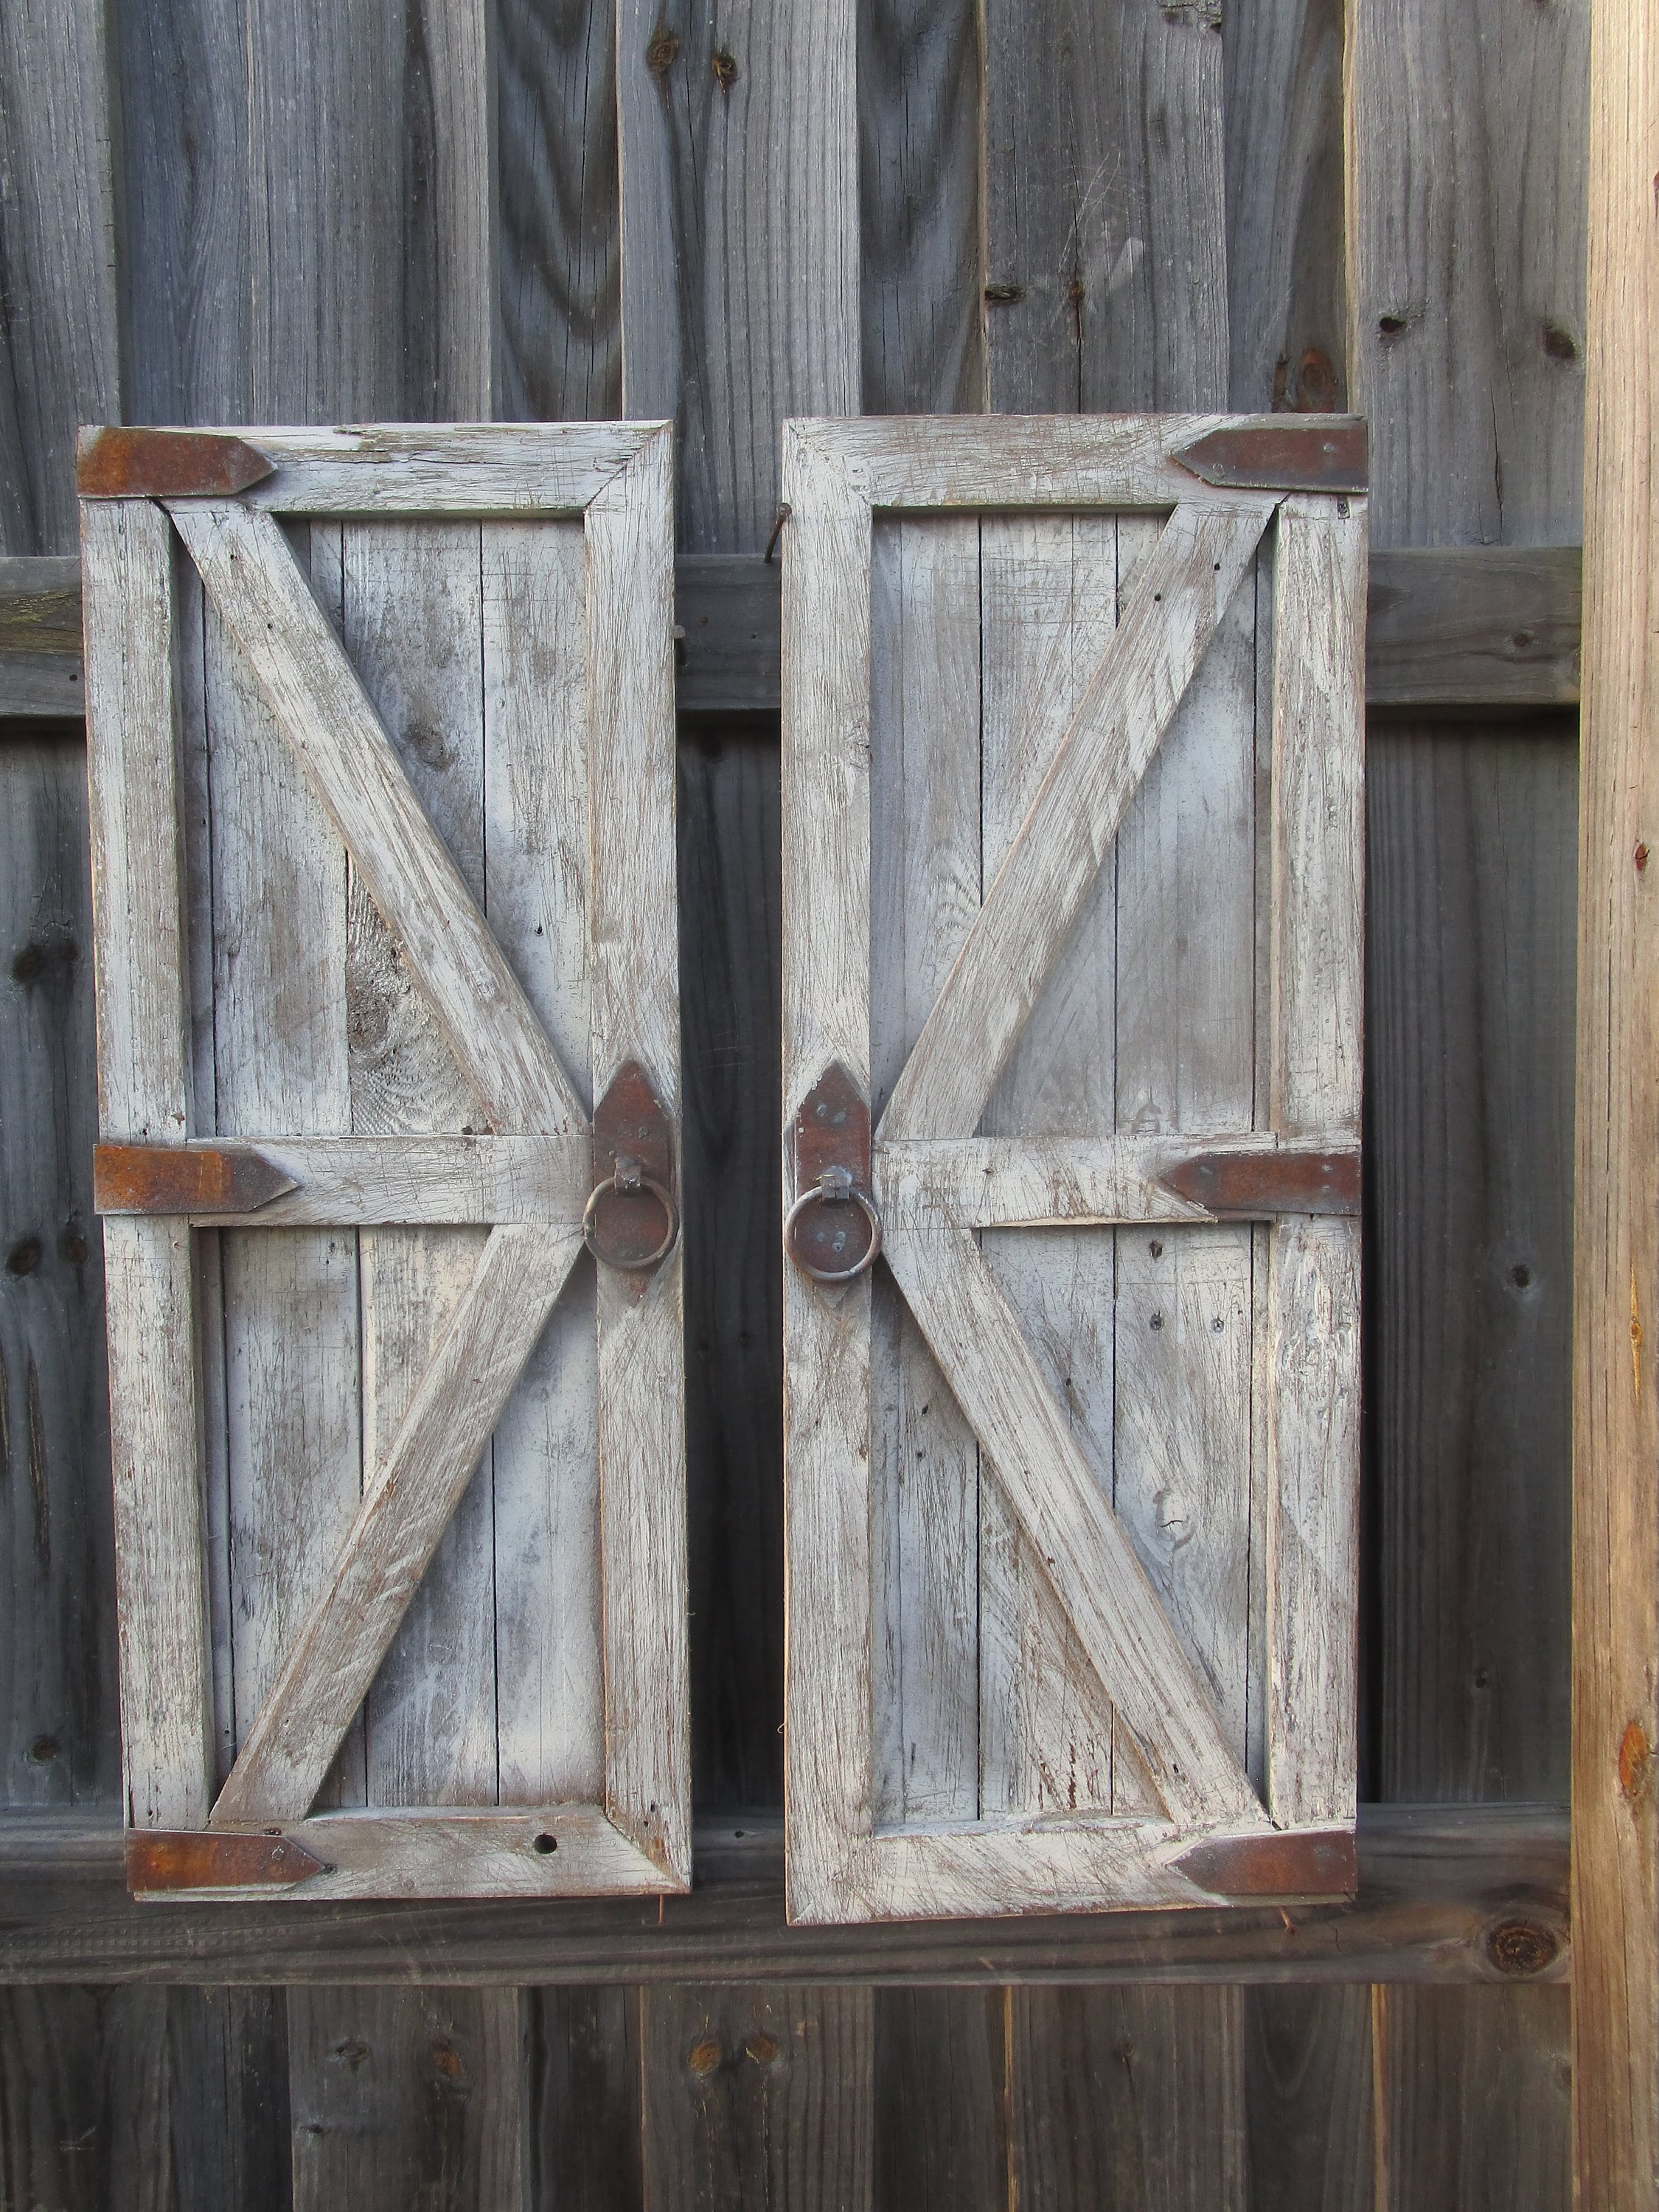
(1615, 1620)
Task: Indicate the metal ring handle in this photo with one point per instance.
(835, 1188)
(629, 1176)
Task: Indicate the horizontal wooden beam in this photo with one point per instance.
(1447, 1893)
(1490, 628)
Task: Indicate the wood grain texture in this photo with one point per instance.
(1482, 628)
(583, 2144)
(59, 1713)
(1286, 304)
(1465, 196)
(403, 2097)
(321, 708)
(1471, 2098)
(57, 327)
(1616, 1441)
(1126, 2097)
(1447, 1893)
(1471, 893)
(922, 271)
(1105, 234)
(1308, 2099)
(941, 2122)
(757, 2098)
(560, 244)
(739, 214)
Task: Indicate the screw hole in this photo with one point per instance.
(44, 1749)
(544, 1842)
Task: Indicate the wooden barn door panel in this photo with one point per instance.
(1071, 847)
(424, 860)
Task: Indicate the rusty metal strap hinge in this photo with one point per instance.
(121, 463)
(1319, 453)
(164, 1862)
(832, 1232)
(189, 1179)
(1287, 1863)
(1258, 1186)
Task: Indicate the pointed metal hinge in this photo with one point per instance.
(1282, 452)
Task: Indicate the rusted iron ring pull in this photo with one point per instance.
(811, 1239)
(631, 1221)
(625, 1242)
(832, 1232)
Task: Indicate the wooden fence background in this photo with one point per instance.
(228, 211)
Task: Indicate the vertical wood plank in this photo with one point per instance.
(740, 242)
(57, 313)
(404, 2097)
(940, 2130)
(757, 2097)
(583, 2120)
(227, 2054)
(1473, 2099)
(143, 1087)
(1122, 2096)
(1465, 266)
(924, 896)
(1105, 243)
(412, 603)
(921, 268)
(59, 1736)
(559, 219)
(1286, 301)
(1615, 1438)
(1308, 2085)
(549, 1723)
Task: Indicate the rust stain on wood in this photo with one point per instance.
(1257, 1186)
(120, 464)
(1282, 455)
(184, 1179)
(1293, 1863)
(160, 1861)
(1635, 1765)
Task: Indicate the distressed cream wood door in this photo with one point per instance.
(1072, 789)
(382, 770)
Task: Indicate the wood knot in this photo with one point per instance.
(1004, 295)
(662, 50)
(704, 2056)
(1519, 1949)
(725, 66)
(1635, 1763)
(762, 2049)
(1640, 857)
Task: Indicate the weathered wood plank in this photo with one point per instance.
(1466, 191)
(1616, 1431)
(1052, 862)
(730, 608)
(322, 710)
(919, 124)
(1447, 1893)
(401, 2098)
(1126, 2096)
(1308, 2099)
(1105, 235)
(408, 1496)
(941, 2124)
(1286, 306)
(583, 2099)
(731, 325)
(58, 325)
(559, 216)
(59, 1713)
(1472, 2099)
(757, 2098)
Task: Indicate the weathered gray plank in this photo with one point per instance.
(582, 2099)
(919, 112)
(941, 2125)
(1447, 1893)
(1126, 2097)
(560, 252)
(740, 242)
(1467, 164)
(757, 2098)
(1308, 2099)
(58, 1692)
(403, 2097)
(1286, 299)
(1473, 2099)
(57, 311)
(1490, 627)
(1105, 244)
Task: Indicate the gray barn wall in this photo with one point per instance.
(225, 209)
